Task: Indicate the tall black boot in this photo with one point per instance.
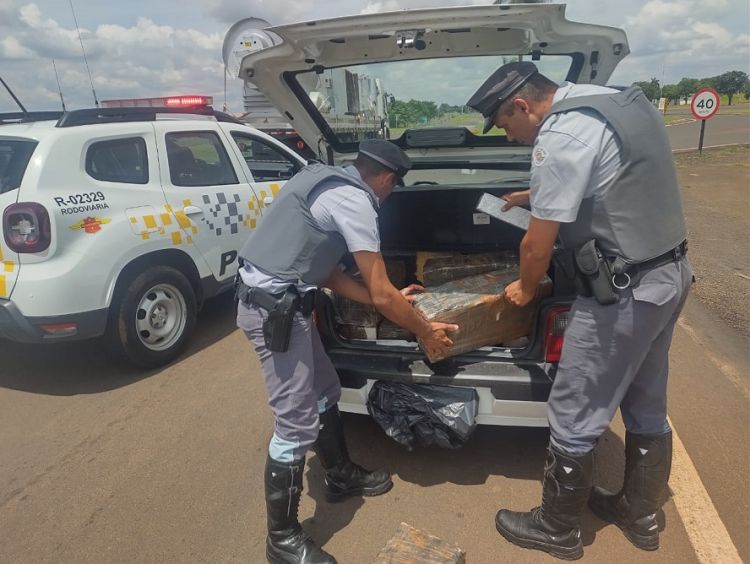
(343, 477)
(287, 543)
(648, 462)
(553, 527)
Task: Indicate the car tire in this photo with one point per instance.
(152, 317)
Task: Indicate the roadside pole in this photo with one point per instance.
(704, 105)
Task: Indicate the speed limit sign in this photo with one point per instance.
(705, 103)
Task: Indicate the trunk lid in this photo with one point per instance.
(441, 55)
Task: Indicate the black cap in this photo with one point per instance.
(499, 87)
(387, 154)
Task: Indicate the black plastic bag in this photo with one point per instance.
(430, 415)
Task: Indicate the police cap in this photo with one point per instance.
(500, 86)
(387, 154)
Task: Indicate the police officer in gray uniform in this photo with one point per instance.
(603, 184)
(322, 213)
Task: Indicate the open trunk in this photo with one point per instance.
(419, 225)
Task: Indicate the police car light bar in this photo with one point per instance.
(188, 101)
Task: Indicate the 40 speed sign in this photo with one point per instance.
(705, 103)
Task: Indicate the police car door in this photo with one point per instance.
(268, 163)
(207, 191)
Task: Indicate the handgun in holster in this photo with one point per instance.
(277, 328)
(596, 273)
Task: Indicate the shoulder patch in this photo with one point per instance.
(539, 156)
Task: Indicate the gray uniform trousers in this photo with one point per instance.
(618, 356)
(301, 382)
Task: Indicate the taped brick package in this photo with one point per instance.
(389, 330)
(355, 320)
(441, 269)
(477, 305)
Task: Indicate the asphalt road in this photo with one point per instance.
(101, 463)
(108, 465)
(720, 130)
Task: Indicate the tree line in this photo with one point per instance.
(729, 84)
(414, 112)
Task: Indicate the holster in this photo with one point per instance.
(596, 275)
(277, 328)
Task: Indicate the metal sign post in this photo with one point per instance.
(704, 105)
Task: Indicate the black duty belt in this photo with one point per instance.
(633, 273)
(251, 295)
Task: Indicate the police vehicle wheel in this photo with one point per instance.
(153, 317)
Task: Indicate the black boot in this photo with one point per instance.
(553, 527)
(344, 478)
(648, 461)
(287, 543)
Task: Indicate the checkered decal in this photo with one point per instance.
(224, 214)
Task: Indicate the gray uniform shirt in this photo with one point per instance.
(575, 156)
(336, 207)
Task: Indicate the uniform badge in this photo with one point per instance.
(539, 156)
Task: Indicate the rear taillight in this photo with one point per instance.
(555, 324)
(26, 227)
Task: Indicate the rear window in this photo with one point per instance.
(14, 158)
(387, 98)
(120, 160)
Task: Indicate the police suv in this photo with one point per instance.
(123, 221)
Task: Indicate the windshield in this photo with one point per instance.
(14, 157)
(386, 99)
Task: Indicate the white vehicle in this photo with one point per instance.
(123, 221)
(438, 56)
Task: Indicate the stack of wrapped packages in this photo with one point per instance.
(355, 320)
(465, 289)
(362, 321)
(468, 290)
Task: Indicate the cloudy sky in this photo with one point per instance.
(141, 48)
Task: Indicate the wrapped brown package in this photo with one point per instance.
(389, 330)
(442, 269)
(348, 331)
(349, 312)
(478, 306)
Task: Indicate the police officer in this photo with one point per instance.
(320, 214)
(603, 181)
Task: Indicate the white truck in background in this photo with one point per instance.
(354, 105)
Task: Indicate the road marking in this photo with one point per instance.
(742, 144)
(727, 369)
(705, 529)
(680, 122)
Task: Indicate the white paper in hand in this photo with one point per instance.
(493, 206)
